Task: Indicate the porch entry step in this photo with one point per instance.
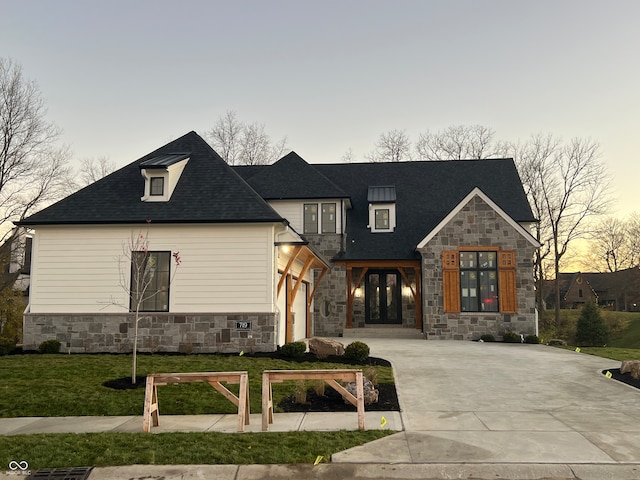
(382, 332)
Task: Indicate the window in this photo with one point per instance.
(150, 281)
(479, 281)
(328, 218)
(310, 218)
(382, 219)
(156, 186)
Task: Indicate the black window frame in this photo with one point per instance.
(157, 295)
(479, 270)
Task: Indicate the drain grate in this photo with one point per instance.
(79, 473)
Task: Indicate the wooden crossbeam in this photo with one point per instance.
(331, 377)
(151, 411)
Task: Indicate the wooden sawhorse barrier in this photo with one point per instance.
(212, 378)
(329, 376)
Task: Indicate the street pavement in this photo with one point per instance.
(469, 410)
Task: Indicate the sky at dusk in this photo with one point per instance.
(122, 78)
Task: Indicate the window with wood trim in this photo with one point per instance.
(479, 281)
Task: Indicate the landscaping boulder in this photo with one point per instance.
(370, 392)
(323, 347)
(632, 367)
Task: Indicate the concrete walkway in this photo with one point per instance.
(469, 410)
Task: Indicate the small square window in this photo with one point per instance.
(156, 186)
(382, 219)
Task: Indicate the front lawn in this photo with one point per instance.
(69, 385)
(112, 449)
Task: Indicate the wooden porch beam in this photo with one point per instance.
(296, 251)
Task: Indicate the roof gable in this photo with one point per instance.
(208, 191)
(426, 192)
(292, 177)
(476, 192)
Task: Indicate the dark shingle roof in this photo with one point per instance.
(163, 161)
(425, 193)
(208, 191)
(292, 178)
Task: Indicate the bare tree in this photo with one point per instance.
(33, 170)
(533, 161)
(93, 169)
(392, 146)
(348, 156)
(573, 187)
(139, 274)
(458, 142)
(241, 144)
(614, 244)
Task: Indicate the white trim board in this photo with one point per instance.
(479, 193)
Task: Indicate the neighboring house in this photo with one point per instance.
(613, 290)
(277, 253)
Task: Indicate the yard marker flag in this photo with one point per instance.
(578, 349)
(608, 374)
(318, 460)
(383, 422)
(241, 352)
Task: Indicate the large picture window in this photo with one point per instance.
(150, 274)
(479, 281)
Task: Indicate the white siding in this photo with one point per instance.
(225, 268)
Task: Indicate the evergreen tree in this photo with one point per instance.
(591, 330)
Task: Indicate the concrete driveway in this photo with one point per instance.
(468, 402)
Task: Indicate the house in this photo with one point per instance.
(612, 290)
(272, 254)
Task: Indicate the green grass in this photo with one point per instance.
(614, 353)
(112, 449)
(624, 327)
(68, 385)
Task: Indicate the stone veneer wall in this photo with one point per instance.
(332, 289)
(157, 332)
(477, 224)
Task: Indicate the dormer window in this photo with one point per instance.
(156, 186)
(161, 175)
(382, 208)
(382, 218)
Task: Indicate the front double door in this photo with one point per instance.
(383, 300)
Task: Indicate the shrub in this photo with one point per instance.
(356, 351)
(487, 337)
(510, 337)
(533, 339)
(293, 349)
(7, 346)
(591, 330)
(49, 346)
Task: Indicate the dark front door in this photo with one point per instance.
(382, 297)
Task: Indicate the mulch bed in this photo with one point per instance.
(331, 401)
(623, 377)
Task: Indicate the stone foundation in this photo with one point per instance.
(157, 332)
